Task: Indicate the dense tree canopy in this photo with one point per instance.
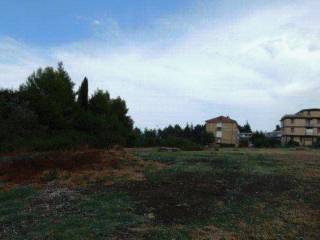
(46, 113)
(49, 93)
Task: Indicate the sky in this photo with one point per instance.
(173, 61)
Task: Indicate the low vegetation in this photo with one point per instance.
(147, 194)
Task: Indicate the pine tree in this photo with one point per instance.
(49, 93)
(246, 128)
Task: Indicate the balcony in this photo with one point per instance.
(310, 132)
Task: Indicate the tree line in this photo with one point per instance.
(47, 113)
(187, 138)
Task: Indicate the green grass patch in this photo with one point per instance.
(96, 216)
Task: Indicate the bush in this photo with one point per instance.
(317, 143)
(259, 140)
(292, 143)
(182, 143)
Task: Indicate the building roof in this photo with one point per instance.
(222, 119)
(308, 109)
(290, 116)
(299, 114)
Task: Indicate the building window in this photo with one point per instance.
(308, 113)
(309, 131)
(318, 121)
(318, 130)
(219, 134)
(292, 130)
(292, 120)
(219, 128)
(308, 122)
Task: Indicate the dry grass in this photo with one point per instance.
(73, 168)
(211, 232)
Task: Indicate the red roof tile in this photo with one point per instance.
(222, 119)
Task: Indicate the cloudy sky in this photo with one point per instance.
(174, 61)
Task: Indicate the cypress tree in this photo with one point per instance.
(83, 94)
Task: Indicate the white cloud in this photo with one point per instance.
(96, 22)
(258, 65)
(17, 62)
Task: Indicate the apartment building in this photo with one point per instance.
(302, 127)
(224, 129)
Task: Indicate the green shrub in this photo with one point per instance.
(317, 143)
(292, 143)
(182, 143)
(259, 140)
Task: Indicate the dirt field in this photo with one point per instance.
(146, 194)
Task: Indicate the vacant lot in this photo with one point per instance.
(146, 194)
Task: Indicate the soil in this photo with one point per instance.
(186, 197)
(53, 198)
(43, 167)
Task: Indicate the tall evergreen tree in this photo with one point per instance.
(245, 128)
(83, 94)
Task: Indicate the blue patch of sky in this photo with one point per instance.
(47, 23)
